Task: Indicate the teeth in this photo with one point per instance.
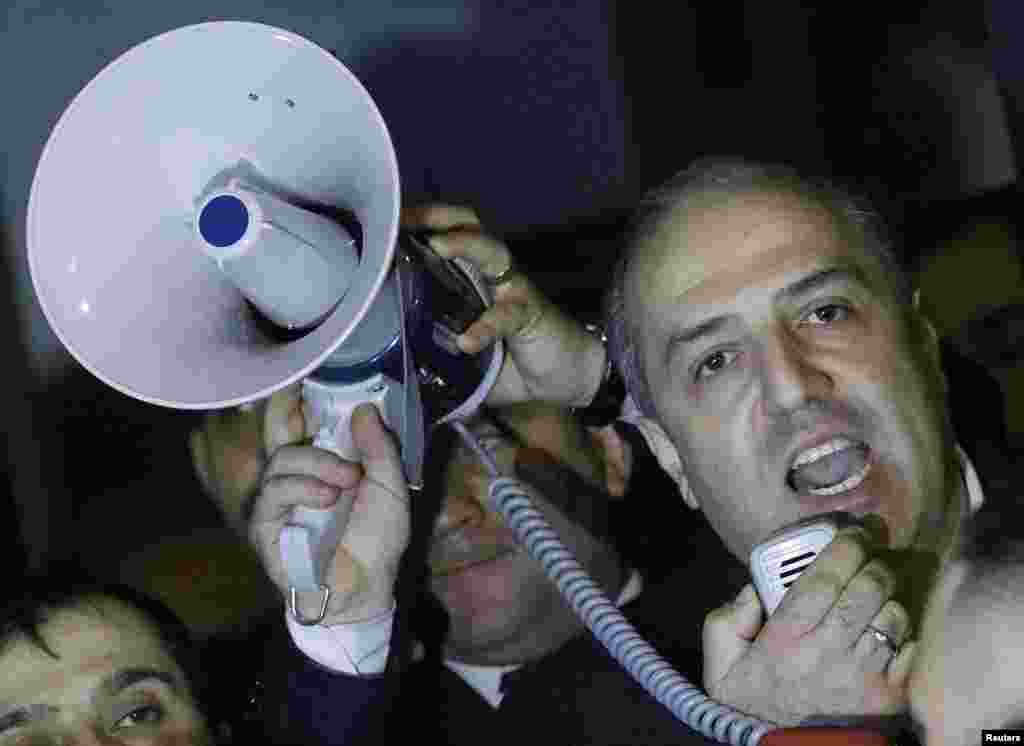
(819, 452)
(851, 482)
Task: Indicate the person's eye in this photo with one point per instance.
(714, 363)
(146, 715)
(826, 314)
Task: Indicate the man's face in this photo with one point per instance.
(113, 683)
(784, 371)
(502, 608)
(969, 669)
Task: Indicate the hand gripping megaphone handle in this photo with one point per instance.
(309, 539)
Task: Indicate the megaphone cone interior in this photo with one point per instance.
(112, 243)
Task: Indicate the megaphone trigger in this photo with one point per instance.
(328, 410)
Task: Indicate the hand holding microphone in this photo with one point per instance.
(369, 498)
(818, 654)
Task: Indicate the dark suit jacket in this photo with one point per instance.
(579, 694)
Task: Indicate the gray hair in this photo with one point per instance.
(729, 176)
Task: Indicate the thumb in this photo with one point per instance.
(729, 632)
(378, 451)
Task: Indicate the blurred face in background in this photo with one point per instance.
(502, 607)
(113, 683)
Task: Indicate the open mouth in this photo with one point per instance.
(839, 465)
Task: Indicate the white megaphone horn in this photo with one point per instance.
(215, 216)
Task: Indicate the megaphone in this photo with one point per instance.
(216, 216)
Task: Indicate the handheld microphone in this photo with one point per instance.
(779, 560)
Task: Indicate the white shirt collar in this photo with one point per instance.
(975, 496)
(486, 680)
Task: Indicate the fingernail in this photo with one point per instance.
(466, 343)
(746, 595)
(366, 408)
(858, 530)
(330, 495)
(296, 425)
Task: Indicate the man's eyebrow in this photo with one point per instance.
(113, 685)
(12, 717)
(804, 286)
(691, 334)
(817, 280)
(126, 677)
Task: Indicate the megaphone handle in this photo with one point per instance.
(309, 539)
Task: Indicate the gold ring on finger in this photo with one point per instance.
(884, 638)
(503, 276)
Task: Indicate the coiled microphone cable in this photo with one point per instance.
(687, 702)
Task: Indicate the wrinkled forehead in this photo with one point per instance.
(92, 639)
(715, 245)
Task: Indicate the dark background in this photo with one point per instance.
(550, 121)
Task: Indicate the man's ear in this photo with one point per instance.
(617, 457)
(668, 457)
(666, 454)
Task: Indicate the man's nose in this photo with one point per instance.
(791, 375)
(460, 510)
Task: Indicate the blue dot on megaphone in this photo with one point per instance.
(223, 221)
